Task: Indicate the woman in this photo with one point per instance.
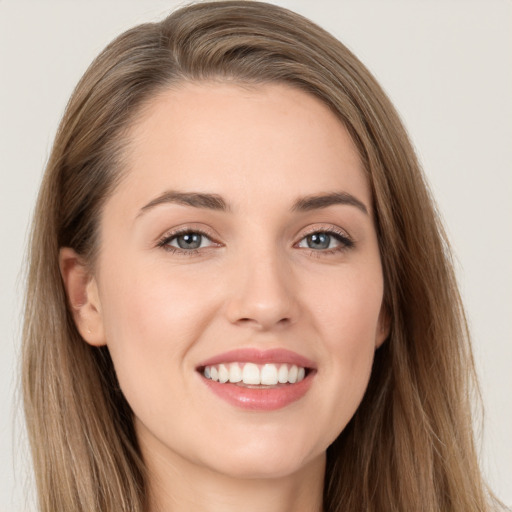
(240, 295)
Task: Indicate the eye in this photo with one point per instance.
(326, 241)
(186, 241)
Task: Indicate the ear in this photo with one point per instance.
(383, 327)
(83, 296)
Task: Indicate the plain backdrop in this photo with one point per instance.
(446, 64)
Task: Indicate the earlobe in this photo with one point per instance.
(83, 297)
(383, 328)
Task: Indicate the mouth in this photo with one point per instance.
(252, 374)
(258, 380)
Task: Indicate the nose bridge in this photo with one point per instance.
(262, 288)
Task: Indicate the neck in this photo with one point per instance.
(185, 487)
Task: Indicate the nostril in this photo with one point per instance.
(261, 308)
(264, 323)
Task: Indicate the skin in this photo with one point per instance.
(255, 282)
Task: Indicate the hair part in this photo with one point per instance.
(410, 445)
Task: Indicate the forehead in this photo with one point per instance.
(251, 143)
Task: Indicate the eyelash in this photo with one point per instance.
(345, 241)
(169, 237)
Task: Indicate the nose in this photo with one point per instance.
(262, 294)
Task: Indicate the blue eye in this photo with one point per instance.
(187, 241)
(318, 241)
(325, 240)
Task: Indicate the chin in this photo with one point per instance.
(265, 462)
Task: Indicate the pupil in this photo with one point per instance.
(189, 241)
(318, 241)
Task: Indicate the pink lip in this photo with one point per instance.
(256, 398)
(253, 355)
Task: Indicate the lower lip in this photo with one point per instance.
(261, 399)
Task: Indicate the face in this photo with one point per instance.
(238, 284)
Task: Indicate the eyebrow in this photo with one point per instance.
(216, 202)
(195, 199)
(318, 201)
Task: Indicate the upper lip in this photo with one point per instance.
(258, 356)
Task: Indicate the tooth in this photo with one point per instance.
(251, 374)
(223, 373)
(235, 373)
(282, 374)
(292, 374)
(269, 375)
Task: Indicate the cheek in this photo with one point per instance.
(347, 319)
(347, 309)
(151, 302)
(151, 319)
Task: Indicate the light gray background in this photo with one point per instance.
(446, 64)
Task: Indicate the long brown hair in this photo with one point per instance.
(410, 445)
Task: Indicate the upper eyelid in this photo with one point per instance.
(164, 242)
(326, 229)
(309, 230)
(175, 232)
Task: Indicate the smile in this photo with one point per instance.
(268, 374)
(258, 380)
